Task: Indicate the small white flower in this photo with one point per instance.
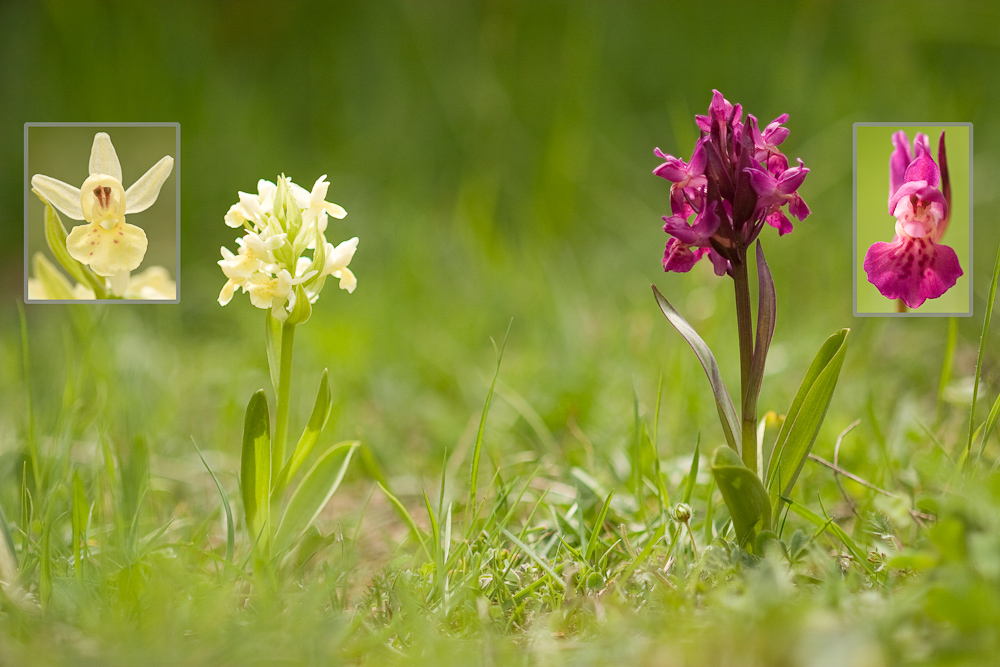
(153, 283)
(255, 254)
(272, 292)
(317, 203)
(337, 259)
(107, 243)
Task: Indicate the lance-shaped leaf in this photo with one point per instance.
(727, 413)
(804, 418)
(255, 468)
(313, 493)
(766, 312)
(317, 422)
(744, 494)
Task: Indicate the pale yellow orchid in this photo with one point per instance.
(107, 244)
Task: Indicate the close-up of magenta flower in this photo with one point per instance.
(915, 265)
(736, 181)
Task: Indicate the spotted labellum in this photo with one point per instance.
(915, 265)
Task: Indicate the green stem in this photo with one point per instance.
(744, 324)
(284, 390)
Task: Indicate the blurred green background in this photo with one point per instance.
(495, 159)
(875, 223)
(64, 153)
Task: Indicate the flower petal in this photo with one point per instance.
(107, 251)
(103, 158)
(119, 282)
(898, 161)
(680, 257)
(779, 221)
(347, 280)
(144, 192)
(63, 196)
(912, 269)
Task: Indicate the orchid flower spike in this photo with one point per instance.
(736, 182)
(284, 258)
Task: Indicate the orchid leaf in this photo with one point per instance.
(317, 422)
(313, 493)
(745, 495)
(255, 467)
(727, 412)
(804, 418)
(766, 311)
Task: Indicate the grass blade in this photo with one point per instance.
(982, 351)
(804, 418)
(230, 524)
(535, 557)
(829, 526)
(595, 534)
(727, 412)
(407, 518)
(693, 473)
(949, 357)
(79, 519)
(478, 450)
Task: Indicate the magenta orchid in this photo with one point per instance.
(915, 266)
(736, 181)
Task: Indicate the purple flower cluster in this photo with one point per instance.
(914, 266)
(735, 181)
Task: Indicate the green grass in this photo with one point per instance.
(495, 159)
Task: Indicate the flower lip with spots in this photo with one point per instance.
(107, 244)
(915, 266)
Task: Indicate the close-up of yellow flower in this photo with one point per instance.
(106, 243)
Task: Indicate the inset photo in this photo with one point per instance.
(101, 212)
(913, 219)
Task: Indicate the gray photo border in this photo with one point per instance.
(27, 197)
(854, 246)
